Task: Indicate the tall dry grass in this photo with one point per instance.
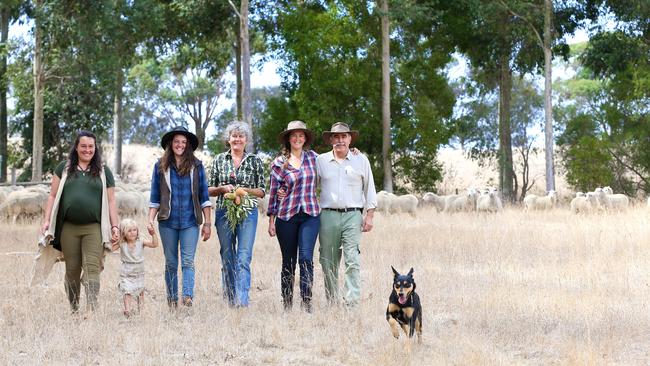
(534, 288)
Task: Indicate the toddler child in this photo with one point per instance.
(132, 271)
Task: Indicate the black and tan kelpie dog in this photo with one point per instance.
(404, 306)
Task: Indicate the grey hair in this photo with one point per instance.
(237, 126)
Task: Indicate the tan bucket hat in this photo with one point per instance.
(296, 126)
(340, 127)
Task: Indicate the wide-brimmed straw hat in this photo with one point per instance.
(180, 130)
(340, 127)
(296, 126)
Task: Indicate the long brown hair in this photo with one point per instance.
(286, 150)
(187, 160)
(73, 157)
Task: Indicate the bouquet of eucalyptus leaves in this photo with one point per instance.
(238, 205)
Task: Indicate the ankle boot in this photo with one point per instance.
(73, 289)
(92, 291)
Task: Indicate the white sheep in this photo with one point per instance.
(534, 202)
(432, 199)
(618, 202)
(585, 204)
(489, 202)
(405, 203)
(129, 203)
(384, 200)
(466, 202)
(23, 203)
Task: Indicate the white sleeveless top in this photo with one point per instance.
(132, 256)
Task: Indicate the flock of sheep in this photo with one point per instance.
(133, 201)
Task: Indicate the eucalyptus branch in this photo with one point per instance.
(539, 38)
(234, 8)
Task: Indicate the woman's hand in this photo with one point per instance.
(227, 188)
(271, 230)
(206, 230)
(150, 228)
(44, 227)
(115, 234)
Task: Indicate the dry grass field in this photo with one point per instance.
(540, 288)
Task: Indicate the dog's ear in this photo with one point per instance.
(410, 272)
(394, 271)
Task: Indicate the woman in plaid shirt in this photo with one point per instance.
(294, 216)
(231, 169)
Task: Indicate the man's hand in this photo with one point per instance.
(367, 221)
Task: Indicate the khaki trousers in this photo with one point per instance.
(340, 233)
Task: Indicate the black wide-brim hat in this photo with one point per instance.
(180, 130)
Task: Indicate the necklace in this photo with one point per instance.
(82, 170)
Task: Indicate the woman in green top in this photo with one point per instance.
(81, 217)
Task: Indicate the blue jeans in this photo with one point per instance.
(297, 238)
(236, 255)
(188, 239)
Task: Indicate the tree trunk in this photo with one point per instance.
(548, 101)
(4, 82)
(246, 71)
(238, 75)
(385, 97)
(118, 123)
(200, 133)
(505, 134)
(37, 144)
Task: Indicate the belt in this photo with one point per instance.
(349, 209)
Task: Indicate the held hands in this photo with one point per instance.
(271, 230)
(282, 192)
(150, 228)
(367, 224)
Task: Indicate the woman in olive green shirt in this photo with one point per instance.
(81, 216)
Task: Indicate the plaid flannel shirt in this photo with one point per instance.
(250, 174)
(300, 185)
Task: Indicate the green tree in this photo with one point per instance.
(332, 60)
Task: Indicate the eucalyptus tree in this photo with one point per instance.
(331, 53)
(10, 10)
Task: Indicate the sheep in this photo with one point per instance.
(534, 202)
(466, 202)
(27, 203)
(432, 199)
(607, 201)
(529, 201)
(489, 202)
(384, 200)
(585, 204)
(406, 203)
(129, 203)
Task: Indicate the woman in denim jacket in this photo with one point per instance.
(179, 198)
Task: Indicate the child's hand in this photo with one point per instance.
(115, 245)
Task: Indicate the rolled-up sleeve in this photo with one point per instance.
(203, 188)
(274, 185)
(154, 195)
(369, 192)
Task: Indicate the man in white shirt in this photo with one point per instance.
(347, 189)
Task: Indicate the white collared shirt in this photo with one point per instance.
(346, 184)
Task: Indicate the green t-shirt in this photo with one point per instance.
(81, 201)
